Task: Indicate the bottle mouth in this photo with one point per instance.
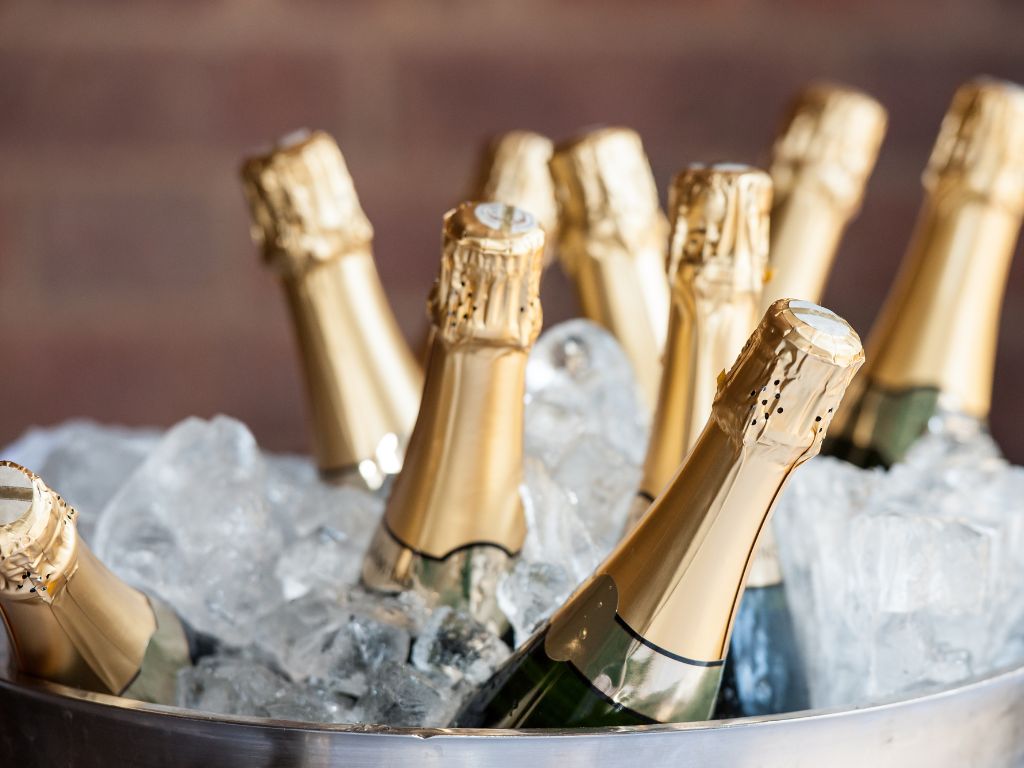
(821, 332)
(16, 492)
(494, 227)
(504, 219)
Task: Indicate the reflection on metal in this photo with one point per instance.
(977, 724)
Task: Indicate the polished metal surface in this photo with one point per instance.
(980, 724)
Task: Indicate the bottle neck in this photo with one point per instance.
(460, 483)
(362, 381)
(706, 333)
(626, 291)
(806, 228)
(680, 574)
(939, 327)
(91, 632)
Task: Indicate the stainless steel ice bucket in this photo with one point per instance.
(973, 725)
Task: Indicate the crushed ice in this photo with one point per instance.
(903, 581)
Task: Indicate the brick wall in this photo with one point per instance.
(129, 289)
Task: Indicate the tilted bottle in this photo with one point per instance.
(515, 171)
(718, 253)
(932, 349)
(643, 639)
(362, 381)
(454, 521)
(821, 162)
(69, 619)
(612, 237)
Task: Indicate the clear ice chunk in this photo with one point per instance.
(585, 440)
(403, 696)
(906, 580)
(237, 684)
(530, 593)
(458, 647)
(192, 525)
(579, 381)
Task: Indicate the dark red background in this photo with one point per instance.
(129, 289)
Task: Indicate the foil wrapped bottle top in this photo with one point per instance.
(488, 287)
(719, 216)
(790, 377)
(37, 536)
(303, 202)
(515, 172)
(980, 147)
(831, 135)
(605, 187)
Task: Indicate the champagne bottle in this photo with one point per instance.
(454, 521)
(933, 347)
(612, 237)
(362, 381)
(821, 162)
(515, 171)
(643, 639)
(718, 252)
(69, 619)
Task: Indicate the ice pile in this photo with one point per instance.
(586, 436)
(252, 549)
(905, 580)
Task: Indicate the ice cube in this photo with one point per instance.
(193, 526)
(458, 647)
(402, 696)
(530, 592)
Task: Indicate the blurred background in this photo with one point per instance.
(130, 291)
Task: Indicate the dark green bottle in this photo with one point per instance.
(644, 639)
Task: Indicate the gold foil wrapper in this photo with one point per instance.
(980, 147)
(304, 205)
(460, 484)
(939, 325)
(680, 572)
(488, 287)
(830, 139)
(718, 253)
(612, 237)
(70, 620)
(363, 383)
(515, 172)
(720, 229)
(821, 162)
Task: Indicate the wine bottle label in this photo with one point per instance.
(619, 662)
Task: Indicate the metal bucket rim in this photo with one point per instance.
(62, 695)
